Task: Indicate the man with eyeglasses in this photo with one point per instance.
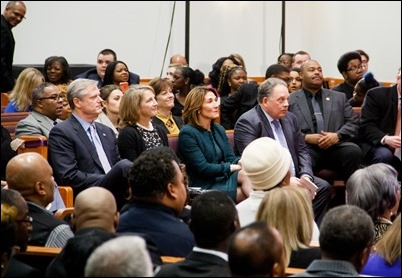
(13, 14)
(47, 105)
(351, 67)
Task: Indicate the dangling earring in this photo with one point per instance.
(230, 84)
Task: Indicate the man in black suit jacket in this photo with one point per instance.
(273, 105)
(74, 158)
(11, 17)
(378, 125)
(332, 147)
(213, 220)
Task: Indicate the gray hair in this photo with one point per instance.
(266, 88)
(78, 89)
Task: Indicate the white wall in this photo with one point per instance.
(138, 32)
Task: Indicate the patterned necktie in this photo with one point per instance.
(282, 140)
(318, 115)
(99, 148)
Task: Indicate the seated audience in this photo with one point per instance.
(375, 189)
(137, 134)
(23, 231)
(57, 71)
(289, 210)
(214, 76)
(256, 250)
(205, 149)
(299, 58)
(124, 256)
(213, 220)
(295, 81)
(21, 95)
(362, 86)
(111, 95)
(82, 152)
(164, 96)
(7, 241)
(117, 73)
(285, 59)
(105, 57)
(31, 175)
(158, 196)
(385, 260)
(346, 236)
(47, 105)
(178, 59)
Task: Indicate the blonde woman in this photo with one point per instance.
(21, 95)
(205, 149)
(289, 210)
(137, 107)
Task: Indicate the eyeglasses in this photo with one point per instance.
(54, 97)
(355, 69)
(27, 219)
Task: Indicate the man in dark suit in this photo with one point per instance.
(213, 220)
(379, 126)
(105, 57)
(332, 145)
(13, 14)
(273, 105)
(81, 157)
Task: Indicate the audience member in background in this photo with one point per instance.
(66, 112)
(205, 149)
(6, 153)
(164, 96)
(346, 235)
(178, 59)
(117, 73)
(362, 86)
(233, 78)
(7, 240)
(380, 125)
(216, 73)
(95, 219)
(330, 130)
(299, 58)
(111, 95)
(289, 210)
(57, 71)
(47, 105)
(385, 260)
(246, 97)
(352, 70)
(21, 95)
(12, 15)
(184, 79)
(295, 81)
(285, 59)
(375, 189)
(171, 70)
(124, 256)
(256, 250)
(365, 59)
(239, 59)
(31, 175)
(75, 159)
(271, 118)
(213, 220)
(105, 57)
(23, 230)
(158, 189)
(137, 108)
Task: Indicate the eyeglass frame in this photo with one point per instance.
(356, 68)
(54, 97)
(26, 219)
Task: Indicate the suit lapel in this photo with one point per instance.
(304, 109)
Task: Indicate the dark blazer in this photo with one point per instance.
(7, 81)
(254, 124)
(17, 268)
(93, 74)
(337, 112)
(196, 264)
(378, 116)
(159, 123)
(237, 104)
(73, 157)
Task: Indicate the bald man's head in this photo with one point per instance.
(95, 207)
(31, 175)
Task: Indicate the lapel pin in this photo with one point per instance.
(103, 134)
(327, 98)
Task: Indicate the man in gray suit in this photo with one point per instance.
(332, 145)
(258, 122)
(47, 104)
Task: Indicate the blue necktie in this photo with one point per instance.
(282, 141)
(99, 148)
(318, 115)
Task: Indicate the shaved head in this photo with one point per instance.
(95, 207)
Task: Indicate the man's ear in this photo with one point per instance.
(40, 188)
(171, 190)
